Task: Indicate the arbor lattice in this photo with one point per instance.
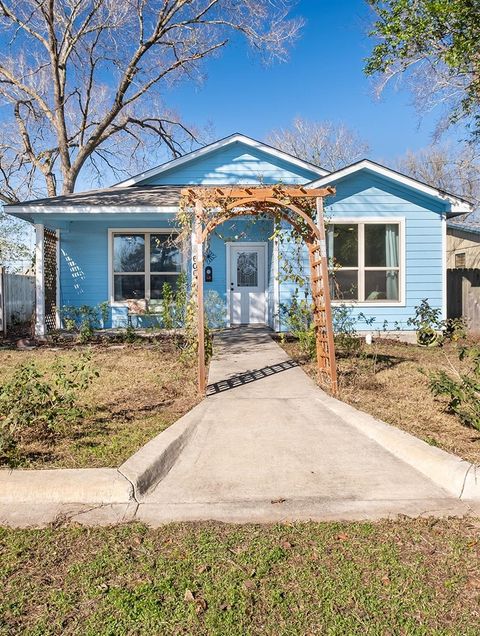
(213, 206)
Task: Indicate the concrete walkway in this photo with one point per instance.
(267, 446)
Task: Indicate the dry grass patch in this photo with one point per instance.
(388, 380)
(140, 391)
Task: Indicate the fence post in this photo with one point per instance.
(3, 303)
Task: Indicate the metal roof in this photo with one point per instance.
(466, 223)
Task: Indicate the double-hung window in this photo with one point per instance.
(142, 263)
(364, 260)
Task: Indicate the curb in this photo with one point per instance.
(153, 461)
(455, 475)
(120, 485)
(64, 485)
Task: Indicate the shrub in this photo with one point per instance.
(463, 391)
(427, 323)
(85, 319)
(38, 405)
(344, 327)
(455, 329)
(299, 322)
(174, 301)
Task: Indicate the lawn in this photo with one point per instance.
(388, 379)
(141, 389)
(412, 577)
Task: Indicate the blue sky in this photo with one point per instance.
(322, 80)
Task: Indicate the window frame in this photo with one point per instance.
(462, 254)
(147, 232)
(362, 222)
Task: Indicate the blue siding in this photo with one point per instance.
(234, 164)
(84, 240)
(84, 261)
(365, 195)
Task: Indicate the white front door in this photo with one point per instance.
(247, 283)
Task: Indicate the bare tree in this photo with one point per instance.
(83, 81)
(453, 168)
(324, 144)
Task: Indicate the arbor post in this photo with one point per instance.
(198, 264)
(327, 300)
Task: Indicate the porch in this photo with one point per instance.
(122, 265)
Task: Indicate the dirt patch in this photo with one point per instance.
(389, 380)
(141, 390)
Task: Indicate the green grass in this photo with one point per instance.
(406, 577)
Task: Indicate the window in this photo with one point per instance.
(365, 261)
(460, 259)
(142, 263)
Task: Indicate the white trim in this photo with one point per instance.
(457, 205)
(361, 221)
(228, 247)
(222, 143)
(146, 273)
(91, 209)
(444, 266)
(58, 322)
(40, 329)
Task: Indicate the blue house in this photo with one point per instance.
(386, 236)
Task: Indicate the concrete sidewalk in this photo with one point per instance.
(267, 442)
(266, 445)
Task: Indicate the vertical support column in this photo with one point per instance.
(39, 281)
(58, 317)
(200, 311)
(326, 295)
(3, 302)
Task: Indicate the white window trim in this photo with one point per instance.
(146, 273)
(400, 221)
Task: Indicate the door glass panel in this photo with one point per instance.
(247, 269)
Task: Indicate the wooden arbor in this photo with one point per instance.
(213, 206)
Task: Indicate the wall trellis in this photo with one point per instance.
(213, 206)
(50, 278)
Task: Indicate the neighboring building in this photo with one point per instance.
(463, 242)
(386, 232)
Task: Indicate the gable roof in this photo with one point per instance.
(457, 204)
(217, 145)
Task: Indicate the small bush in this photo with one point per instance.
(462, 391)
(38, 405)
(344, 327)
(85, 319)
(299, 322)
(427, 324)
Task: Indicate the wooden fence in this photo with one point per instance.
(17, 299)
(463, 296)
